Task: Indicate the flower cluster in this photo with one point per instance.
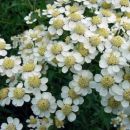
(72, 41)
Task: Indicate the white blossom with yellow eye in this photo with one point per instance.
(112, 60)
(43, 104)
(81, 81)
(18, 95)
(12, 124)
(70, 60)
(10, 66)
(67, 109)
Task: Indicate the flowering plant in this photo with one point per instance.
(80, 48)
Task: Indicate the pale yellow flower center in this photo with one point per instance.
(103, 32)
(95, 40)
(56, 49)
(117, 41)
(2, 45)
(79, 29)
(8, 63)
(34, 81)
(127, 77)
(42, 128)
(72, 94)
(93, 1)
(41, 50)
(112, 59)
(10, 127)
(19, 93)
(43, 104)
(28, 46)
(67, 109)
(59, 123)
(82, 50)
(33, 120)
(3, 93)
(124, 2)
(73, 9)
(55, 13)
(83, 82)
(96, 20)
(106, 12)
(28, 67)
(70, 61)
(106, 5)
(113, 103)
(126, 25)
(107, 81)
(58, 23)
(127, 14)
(75, 17)
(126, 95)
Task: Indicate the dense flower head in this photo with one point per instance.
(85, 43)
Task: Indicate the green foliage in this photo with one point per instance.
(91, 115)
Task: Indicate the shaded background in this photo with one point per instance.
(91, 115)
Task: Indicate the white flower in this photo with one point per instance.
(18, 95)
(81, 81)
(43, 104)
(112, 60)
(4, 47)
(29, 69)
(57, 25)
(4, 99)
(34, 84)
(33, 122)
(105, 81)
(10, 66)
(110, 104)
(70, 60)
(67, 110)
(12, 124)
(69, 92)
(122, 93)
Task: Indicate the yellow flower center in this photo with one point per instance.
(41, 50)
(126, 95)
(3, 93)
(73, 9)
(95, 40)
(93, 1)
(33, 120)
(127, 77)
(117, 41)
(82, 50)
(103, 32)
(56, 49)
(113, 103)
(55, 13)
(10, 127)
(75, 17)
(107, 81)
(79, 29)
(43, 104)
(42, 128)
(106, 5)
(19, 93)
(59, 123)
(96, 20)
(124, 2)
(8, 63)
(67, 109)
(45, 120)
(106, 12)
(58, 23)
(112, 59)
(83, 82)
(127, 14)
(28, 46)
(126, 26)
(70, 61)
(34, 81)
(28, 67)
(72, 94)
(2, 45)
